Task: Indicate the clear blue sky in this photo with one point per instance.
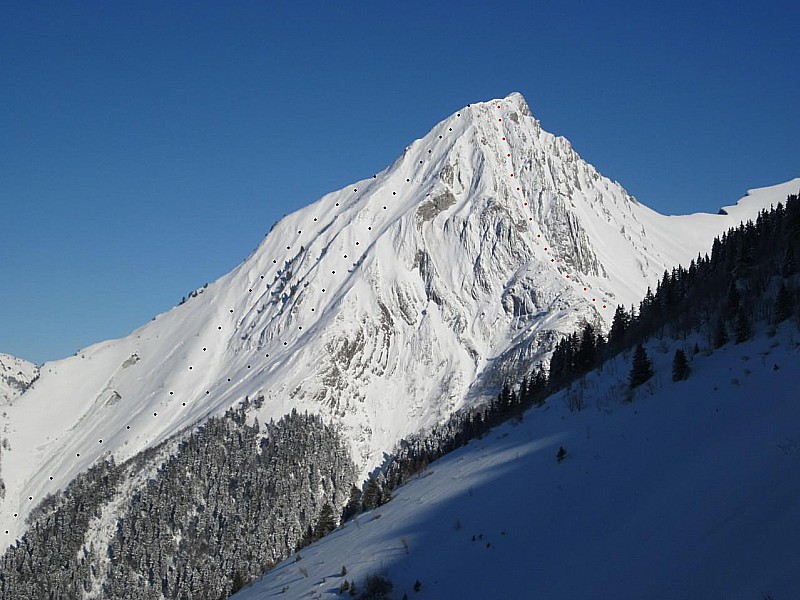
(147, 147)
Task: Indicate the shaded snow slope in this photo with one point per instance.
(16, 375)
(383, 306)
(691, 491)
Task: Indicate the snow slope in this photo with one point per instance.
(691, 491)
(16, 375)
(383, 306)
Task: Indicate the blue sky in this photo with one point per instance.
(147, 147)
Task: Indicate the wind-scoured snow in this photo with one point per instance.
(383, 306)
(690, 491)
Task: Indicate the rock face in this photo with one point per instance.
(381, 307)
(16, 376)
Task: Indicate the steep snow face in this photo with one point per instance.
(385, 305)
(705, 507)
(16, 376)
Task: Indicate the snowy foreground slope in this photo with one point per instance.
(691, 491)
(383, 306)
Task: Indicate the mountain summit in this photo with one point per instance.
(382, 307)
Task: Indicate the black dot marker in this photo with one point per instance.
(420, 162)
(231, 310)
(51, 478)
(78, 454)
(155, 414)
(285, 343)
(128, 427)
(207, 392)
(299, 232)
(333, 272)
(204, 349)
(355, 189)
(30, 497)
(101, 441)
(384, 208)
(315, 218)
(312, 310)
(407, 179)
(287, 247)
(190, 368)
(429, 151)
(440, 137)
(374, 176)
(171, 393)
(274, 262)
(183, 403)
(394, 193)
(299, 326)
(220, 328)
(369, 228)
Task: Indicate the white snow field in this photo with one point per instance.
(690, 491)
(383, 306)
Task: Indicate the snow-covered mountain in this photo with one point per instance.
(383, 306)
(16, 376)
(689, 492)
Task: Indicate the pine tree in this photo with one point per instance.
(783, 305)
(372, 495)
(619, 329)
(720, 334)
(742, 327)
(680, 366)
(641, 370)
(326, 522)
(587, 354)
(353, 504)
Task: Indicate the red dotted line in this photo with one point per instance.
(538, 235)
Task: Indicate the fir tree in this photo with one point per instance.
(619, 329)
(372, 495)
(353, 504)
(742, 327)
(783, 305)
(641, 370)
(720, 334)
(680, 366)
(326, 522)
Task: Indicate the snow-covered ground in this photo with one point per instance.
(690, 491)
